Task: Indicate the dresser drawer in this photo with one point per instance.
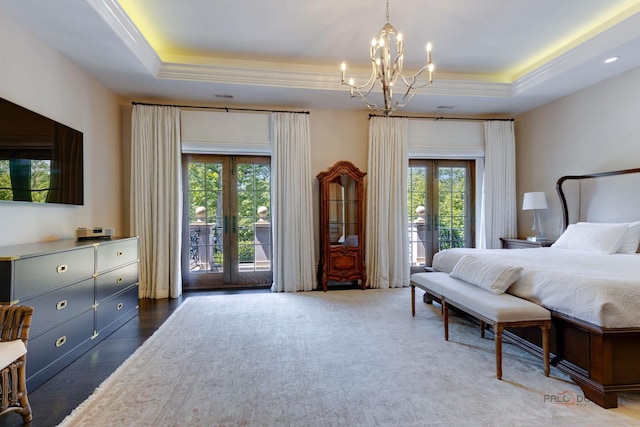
(55, 343)
(116, 253)
(54, 307)
(111, 309)
(37, 274)
(116, 280)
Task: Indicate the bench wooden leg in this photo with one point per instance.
(545, 346)
(497, 329)
(445, 315)
(413, 300)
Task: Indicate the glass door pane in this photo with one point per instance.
(253, 223)
(419, 222)
(452, 206)
(206, 213)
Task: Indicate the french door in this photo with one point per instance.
(227, 222)
(441, 207)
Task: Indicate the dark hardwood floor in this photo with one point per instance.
(56, 398)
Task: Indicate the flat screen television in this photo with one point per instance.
(40, 159)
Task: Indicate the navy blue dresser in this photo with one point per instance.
(81, 291)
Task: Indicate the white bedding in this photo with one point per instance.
(600, 289)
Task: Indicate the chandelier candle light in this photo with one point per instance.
(387, 68)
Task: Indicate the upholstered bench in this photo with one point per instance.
(500, 310)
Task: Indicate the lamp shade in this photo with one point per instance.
(534, 200)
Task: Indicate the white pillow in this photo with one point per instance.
(591, 237)
(493, 277)
(631, 238)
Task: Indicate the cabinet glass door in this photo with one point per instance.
(343, 211)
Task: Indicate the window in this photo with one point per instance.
(227, 221)
(441, 207)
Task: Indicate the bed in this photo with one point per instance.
(591, 289)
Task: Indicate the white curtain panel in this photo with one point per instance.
(156, 198)
(291, 183)
(387, 238)
(499, 213)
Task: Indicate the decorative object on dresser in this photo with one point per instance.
(519, 243)
(535, 201)
(84, 233)
(15, 322)
(341, 225)
(81, 291)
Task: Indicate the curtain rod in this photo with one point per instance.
(227, 109)
(436, 118)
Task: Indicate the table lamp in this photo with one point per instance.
(535, 201)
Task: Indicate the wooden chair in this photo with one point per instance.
(14, 334)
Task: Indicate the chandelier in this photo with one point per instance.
(386, 64)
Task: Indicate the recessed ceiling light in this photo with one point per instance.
(612, 59)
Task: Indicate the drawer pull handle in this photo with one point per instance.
(61, 305)
(120, 253)
(61, 341)
(61, 268)
(119, 280)
(119, 306)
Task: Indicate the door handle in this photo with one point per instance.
(235, 225)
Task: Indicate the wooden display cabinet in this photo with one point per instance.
(341, 225)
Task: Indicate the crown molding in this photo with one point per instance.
(304, 79)
(595, 47)
(125, 29)
(322, 77)
(260, 73)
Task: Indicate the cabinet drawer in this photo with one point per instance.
(343, 259)
(111, 309)
(54, 307)
(55, 343)
(34, 275)
(116, 253)
(116, 280)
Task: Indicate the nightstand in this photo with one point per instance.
(517, 243)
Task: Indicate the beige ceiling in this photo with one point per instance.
(491, 56)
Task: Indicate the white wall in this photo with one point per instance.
(594, 130)
(39, 78)
(335, 136)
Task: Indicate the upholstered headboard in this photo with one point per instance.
(601, 197)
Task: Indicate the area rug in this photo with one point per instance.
(337, 358)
